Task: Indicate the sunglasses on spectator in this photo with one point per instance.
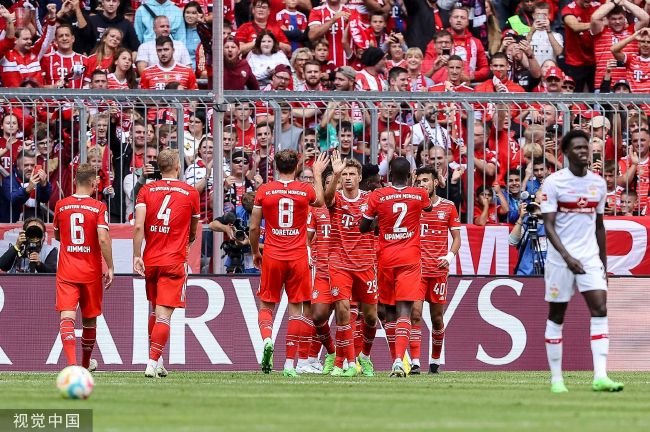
(568, 86)
(240, 161)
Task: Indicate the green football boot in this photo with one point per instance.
(289, 372)
(328, 366)
(337, 371)
(267, 357)
(606, 385)
(367, 368)
(559, 387)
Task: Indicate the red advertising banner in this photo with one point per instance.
(492, 324)
(484, 250)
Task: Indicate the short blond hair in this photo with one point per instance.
(168, 160)
(414, 51)
(85, 174)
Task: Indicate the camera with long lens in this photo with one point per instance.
(231, 248)
(34, 243)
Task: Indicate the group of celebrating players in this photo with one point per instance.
(375, 256)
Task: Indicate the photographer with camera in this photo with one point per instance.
(139, 177)
(529, 237)
(30, 254)
(236, 246)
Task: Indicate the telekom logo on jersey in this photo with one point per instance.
(198, 325)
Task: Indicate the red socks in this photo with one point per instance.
(294, 328)
(66, 328)
(415, 342)
(438, 338)
(344, 345)
(368, 337)
(305, 335)
(358, 334)
(389, 328)
(88, 336)
(402, 336)
(314, 345)
(265, 322)
(325, 337)
(152, 322)
(159, 337)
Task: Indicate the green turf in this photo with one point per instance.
(257, 402)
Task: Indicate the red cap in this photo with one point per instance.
(553, 72)
(282, 68)
(568, 78)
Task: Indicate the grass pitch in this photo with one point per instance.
(457, 401)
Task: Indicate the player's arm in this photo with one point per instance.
(337, 167)
(254, 231)
(138, 237)
(445, 261)
(107, 252)
(365, 226)
(601, 238)
(194, 224)
(319, 166)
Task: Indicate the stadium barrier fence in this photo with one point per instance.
(492, 323)
(516, 127)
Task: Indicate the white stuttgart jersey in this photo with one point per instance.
(576, 200)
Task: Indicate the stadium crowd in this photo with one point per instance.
(328, 46)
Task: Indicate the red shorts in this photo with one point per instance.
(294, 276)
(434, 289)
(359, 285)
(399, 283)
(166, 284)
(88, 295)
(321, 292)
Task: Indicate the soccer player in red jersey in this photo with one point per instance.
(167, 214)
(81, 225)
(398, 209)
(284, 205)
(319, 228)
(436, 258)
(351, 267)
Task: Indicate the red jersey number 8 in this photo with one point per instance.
(285, 213)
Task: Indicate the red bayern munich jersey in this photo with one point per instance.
(285, 207)
(349, 249)
(638, 72)
(319, 222)
(398, 210)
(171, 204)
(434, 227)
(603, 43)
(156, 77)
(57, 66)
(77, 219)
(322, 14)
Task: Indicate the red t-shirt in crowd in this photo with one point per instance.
(579, 47)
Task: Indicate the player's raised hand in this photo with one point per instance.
(574, 265)
(138, 266)
(320, 163)
(108, 278)
(257, 260)
(338, 165)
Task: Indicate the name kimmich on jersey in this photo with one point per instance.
(80, 248)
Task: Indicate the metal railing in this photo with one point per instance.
(487, 135)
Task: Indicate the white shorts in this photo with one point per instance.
(561, 282)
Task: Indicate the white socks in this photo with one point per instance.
(599, 345)
(553, 339)
(161, 362)
(415, 362)
(288, 364)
